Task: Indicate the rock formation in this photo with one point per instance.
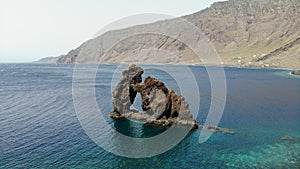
(124, 95)
(161, 106)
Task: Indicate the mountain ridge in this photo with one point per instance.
(252, 33)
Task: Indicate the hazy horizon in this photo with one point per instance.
(36, 29)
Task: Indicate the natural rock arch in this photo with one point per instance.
(161, 106)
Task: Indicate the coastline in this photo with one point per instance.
(211, 65)
(289, 70)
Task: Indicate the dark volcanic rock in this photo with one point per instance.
(161, 106)
(124, 95)
(296, 72)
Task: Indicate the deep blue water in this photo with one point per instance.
(39, 127)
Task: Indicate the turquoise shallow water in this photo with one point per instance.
(40, 129)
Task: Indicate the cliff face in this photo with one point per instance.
(262, 33)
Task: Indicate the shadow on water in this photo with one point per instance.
(136, 129)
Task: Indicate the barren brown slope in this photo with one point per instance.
(262, 33)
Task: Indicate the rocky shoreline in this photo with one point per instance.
(166, 123)
(150, 121)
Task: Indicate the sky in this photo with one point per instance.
(33, 29)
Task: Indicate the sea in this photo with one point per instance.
(39, 126)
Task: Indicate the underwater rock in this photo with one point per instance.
(161, 106)
(218, 129)
(288, 138)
